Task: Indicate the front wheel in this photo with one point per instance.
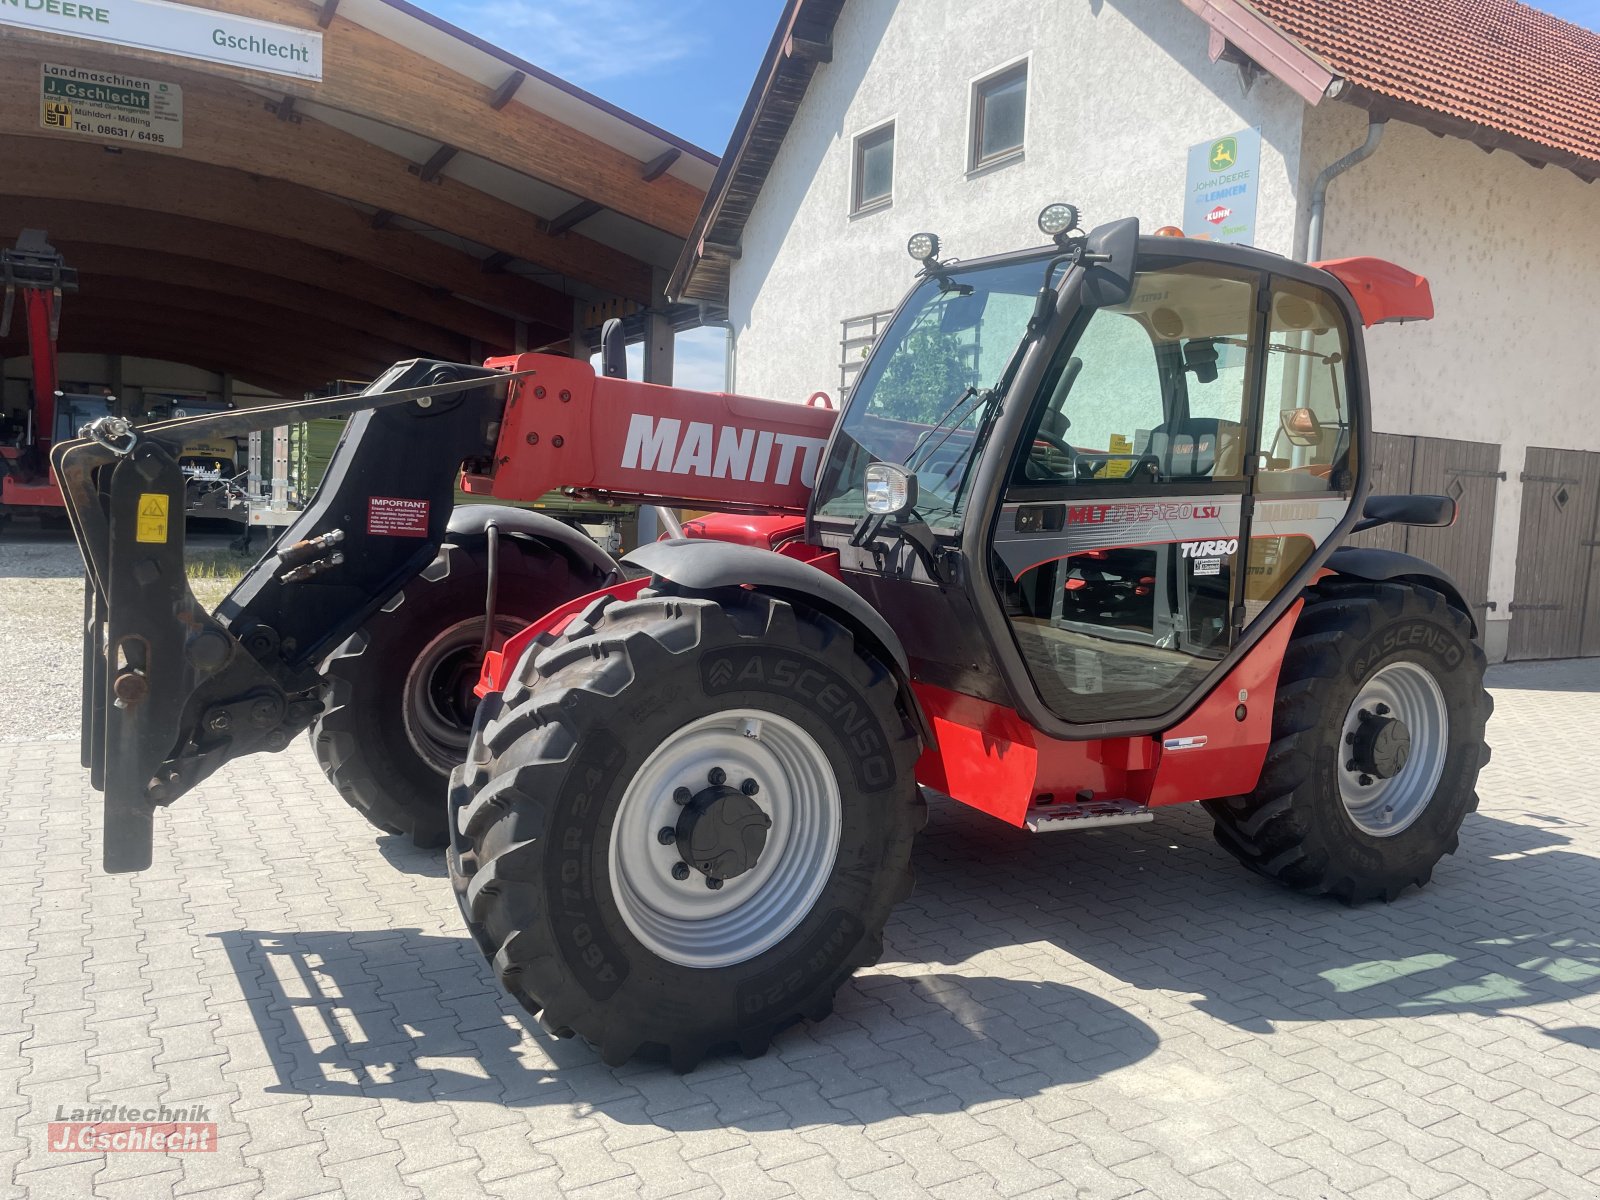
(1377, 741)
(685, 824)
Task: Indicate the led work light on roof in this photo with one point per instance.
(924, 247)
(890, 489)
(1056, 219)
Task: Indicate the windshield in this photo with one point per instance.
(947, 338)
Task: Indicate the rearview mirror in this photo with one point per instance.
(1301, 427)
(1111, 253)
(1433, 512)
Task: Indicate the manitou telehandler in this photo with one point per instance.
(1073, 551)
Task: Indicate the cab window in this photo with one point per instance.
(1152, 391)
(1307, 442)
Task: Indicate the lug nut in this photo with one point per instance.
(713, 883)
(1366, 780)
(682, 796)
(667, 835)
(680, 870)
(1364, 715)
(749, 787)
(716, 776)
(1351, 765)
(1383, 710)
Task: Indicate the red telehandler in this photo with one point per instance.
(1074, 550)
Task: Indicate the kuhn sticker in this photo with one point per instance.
(1222, 547)
(666, 444)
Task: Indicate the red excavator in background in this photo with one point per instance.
(34, 278)
(1074, 550)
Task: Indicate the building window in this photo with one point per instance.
(859, 335)
(999, 114)
(874, 169)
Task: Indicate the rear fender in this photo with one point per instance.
(708, 566)
(1386, 566)
(469, 525)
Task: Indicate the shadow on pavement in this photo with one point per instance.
(1565, 675)
(408, 1016)
(1507, 923)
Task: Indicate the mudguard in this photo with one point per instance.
(1379, 566)
(470, 522)
(698, 565)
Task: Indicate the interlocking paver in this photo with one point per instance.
(1083, 1015)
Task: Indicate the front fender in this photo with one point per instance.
(1381, 566)
(697, 565)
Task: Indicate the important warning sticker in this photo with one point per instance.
(108, 104)
(390, 516)
(151, 525)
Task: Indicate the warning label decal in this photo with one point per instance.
(151, 525)
(390, 516)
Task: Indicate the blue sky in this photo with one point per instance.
(685, 65)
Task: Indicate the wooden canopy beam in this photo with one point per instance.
(50, 169)
(291, 332)
(243, 251)
(153, 272)
(226, 125)
(367, 74)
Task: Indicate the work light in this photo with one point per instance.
(890, 489)
(923, 246)
(1057, 218)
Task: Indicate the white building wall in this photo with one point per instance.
(1513, 257)
(1118, 90)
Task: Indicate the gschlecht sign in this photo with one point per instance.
(175, 29)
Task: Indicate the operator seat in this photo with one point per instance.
(1199, 448)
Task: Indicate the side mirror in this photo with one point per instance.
(1301, 427)
(1433, 512)
(613, 350)
(1112, 253)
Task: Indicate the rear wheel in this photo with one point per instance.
(398, 699)
(1377, 742)
(686, 823)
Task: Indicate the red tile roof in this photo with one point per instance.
(1495, 63)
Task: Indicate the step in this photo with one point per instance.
(1086, 814)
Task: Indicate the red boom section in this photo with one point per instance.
(566, 427)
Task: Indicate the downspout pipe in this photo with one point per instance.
(1319, 190)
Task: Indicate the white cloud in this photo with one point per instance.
(590, 40)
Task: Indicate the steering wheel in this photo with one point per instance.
(1061, 446)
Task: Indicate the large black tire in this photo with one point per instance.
(1296, 826)
(397, 705)
(539, 804)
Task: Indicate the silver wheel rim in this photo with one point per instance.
(683, 920)
(436, 704)
(1409, 693)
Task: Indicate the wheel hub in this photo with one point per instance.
(1382, 746)
(722, 832)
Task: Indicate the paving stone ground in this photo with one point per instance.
(1115, 1013)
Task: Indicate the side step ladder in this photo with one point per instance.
(1086, 814)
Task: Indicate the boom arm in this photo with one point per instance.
(171, 692)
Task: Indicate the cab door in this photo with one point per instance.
(1117, 549)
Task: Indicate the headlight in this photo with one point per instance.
(890, 489)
